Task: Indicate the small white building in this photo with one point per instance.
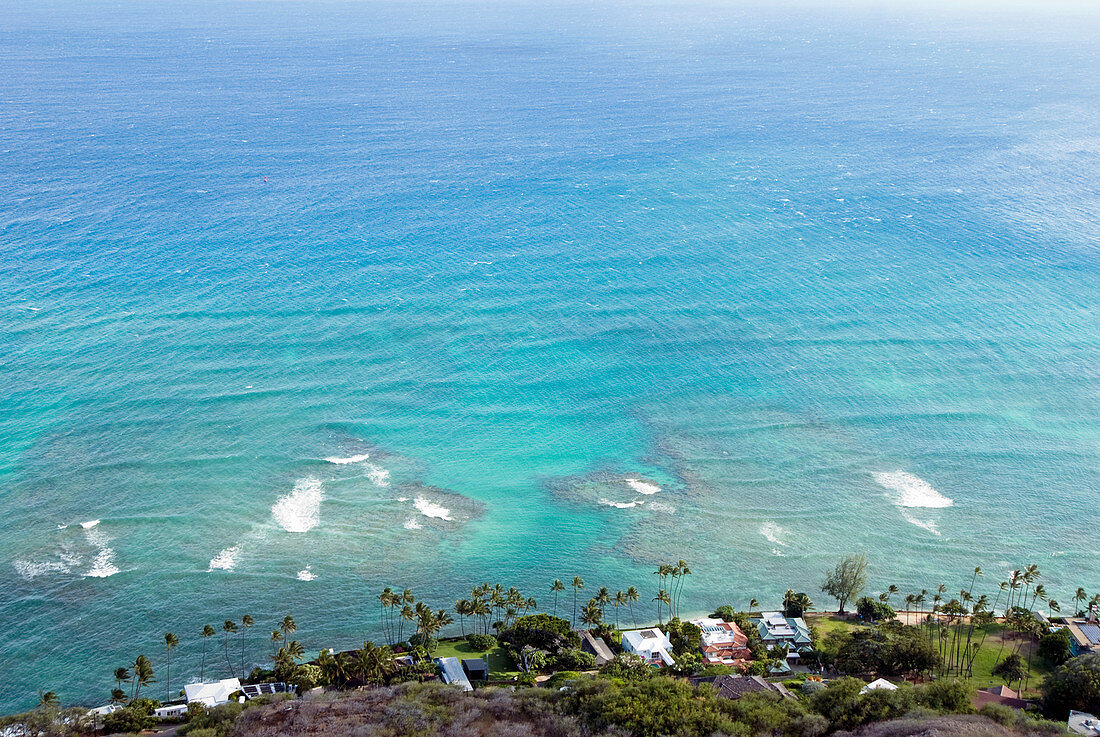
(171, 711)
(102, 711)
(212, 694)
(879, 684)
(652, 644)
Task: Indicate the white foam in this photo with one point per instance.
(623, 505)
(429, 508)
(402, 499)
(912, 491)
(307, 574)
(226, 560)
(643, 487)
(300, 510)
(29, 569)
(103, 565)
(350, 459)
(929, 525)
(662, 507)
(773, 533)
(412, 524)
(379, 476)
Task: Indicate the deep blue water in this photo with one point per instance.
(827, 276)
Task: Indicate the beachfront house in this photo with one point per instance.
(213, 693)
(170, 711)
(723, 643)
(450, 669)
(652, 644)
(791, 632)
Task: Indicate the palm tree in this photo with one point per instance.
(122, 675)
(118, 696)
(47, 700)
(288, 626)
(753, 605)
(247, 622)
(555, 589)
(632, 595)
(276, 638)
(228, 627)
(1053, 606)
(578, 583)
(170, 641)
(682, 572)
(207, 631)
(143, 675)
(592, 614)
(618, 601)
(662, 597)
(1079, 598)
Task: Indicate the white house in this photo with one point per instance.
(652, 644)
(211, 694)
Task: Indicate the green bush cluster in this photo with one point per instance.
(481, 643)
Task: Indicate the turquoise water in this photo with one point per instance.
(826, 278)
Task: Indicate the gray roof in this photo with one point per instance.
(453, 673)
(734, 687)
(597, 647)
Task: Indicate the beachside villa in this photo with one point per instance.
(723, 643)
(776, 630)
(652, 644)
(212, 694)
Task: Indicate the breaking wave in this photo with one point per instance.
(89, 524)
(912, 491)
(103, 565)
(429, 508)
(350, 459)
(307, 574)
(643, 487)
(300, 510)
(226, 560)
(412, 524)
(773, 533)
(379, 476)
(622, 505)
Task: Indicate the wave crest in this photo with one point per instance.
(912, 491)
(300, 510)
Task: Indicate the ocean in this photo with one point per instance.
(305, 299)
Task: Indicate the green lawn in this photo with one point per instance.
(992, 653)
(988, 656)
(501, 667)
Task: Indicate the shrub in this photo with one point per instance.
(307, 676)
(874, 610)
(628, 667)
(1054, 647)
(428, 643)
(725, 612)
(128, 719)
(560, 678)
(481, 643)
(809, 688)
(216, 722)
(948, 695)
(1073, 685)
(684, 636)
(573, 659)
(542, 632)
